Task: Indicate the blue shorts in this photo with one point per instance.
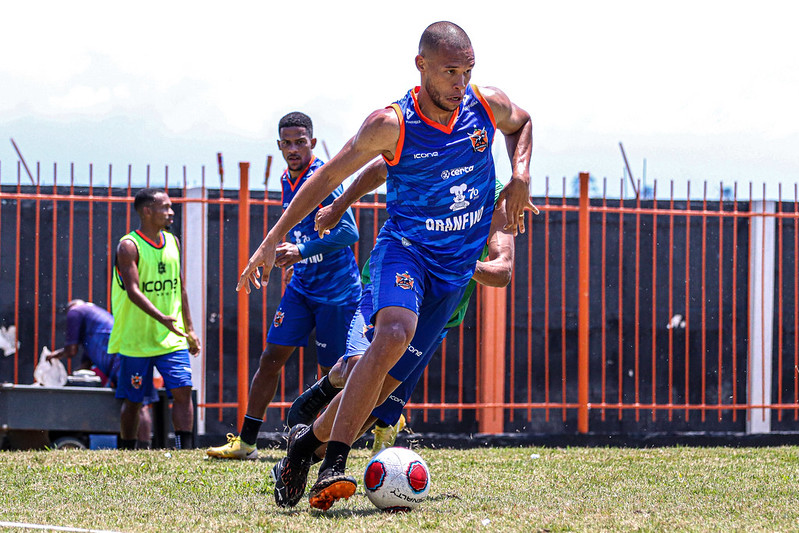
(136, 375)
(297, 315)
(399, 278)
(357, 339)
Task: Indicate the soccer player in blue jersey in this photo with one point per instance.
(494, 269)
(323, 292)
(437, 143)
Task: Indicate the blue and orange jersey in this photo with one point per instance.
(328, 272)
(440, 185)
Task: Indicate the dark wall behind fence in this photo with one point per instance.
(647, 268)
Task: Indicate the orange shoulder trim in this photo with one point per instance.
(486, 105)
(401, 140)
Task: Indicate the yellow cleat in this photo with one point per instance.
(385, 436)
(234, 449)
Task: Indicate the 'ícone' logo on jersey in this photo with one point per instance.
(479, 140)
(278, 319)
(403, 281)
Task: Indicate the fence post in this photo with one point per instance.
(195, 247)
(243, 315)
(492, 358)
(583, 304)
(761, 316)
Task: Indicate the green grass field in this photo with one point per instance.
(487, 489)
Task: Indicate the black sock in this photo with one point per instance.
(335, 457)
(307, 443)
(249, 429)
(381, 424)
(184, 440)
(327, 387)
(144, 444)
(126, 444)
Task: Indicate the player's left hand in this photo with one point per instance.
(264, 256)
(287, 254)
(194, 343)
(517, 199)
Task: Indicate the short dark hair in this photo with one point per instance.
(443, 33)
(145, 198)
(296, 119)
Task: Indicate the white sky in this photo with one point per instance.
(704, 91)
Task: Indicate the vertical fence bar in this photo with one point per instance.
(90, 266)
(795, 302)
(603, 289)
(735, 301)
(36, 270)
(53, 261)
(584, 303)
(704, 305)
(671, 301)
(780, 264)
(620, 281)
(563, 335)
(243, 317)
(654, 295)
(546, 300)
(720, 393)
(687, 301)
(17, 271)
(637, 309)
(108, 238)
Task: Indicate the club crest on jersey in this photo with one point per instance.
(136, 381)
(403, 281)
(278, 319)
(479, 140)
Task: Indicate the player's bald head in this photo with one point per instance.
(443, 34)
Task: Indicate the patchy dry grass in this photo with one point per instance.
(488, 489)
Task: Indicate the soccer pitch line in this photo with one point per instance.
(23, 525)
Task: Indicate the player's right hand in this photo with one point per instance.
(326, 218)
(264, 256)
(171, 324)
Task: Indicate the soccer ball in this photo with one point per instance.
(396, 480)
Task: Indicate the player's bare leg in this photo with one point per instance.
(394, 330)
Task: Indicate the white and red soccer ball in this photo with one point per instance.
(397, 479)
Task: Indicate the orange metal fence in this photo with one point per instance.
(622, 315)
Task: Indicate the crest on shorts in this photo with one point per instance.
(479, 140)
(403, 281)
(278, 319)
(135, 381)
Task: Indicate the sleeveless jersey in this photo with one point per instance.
(135, 333)
(460, 312)
(440, 185)
(330, 276)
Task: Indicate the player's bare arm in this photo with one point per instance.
(127, 259)
(515, 124)
(371, 177)
(496, 270)
(377, 136)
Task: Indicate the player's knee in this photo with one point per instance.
(395, 334)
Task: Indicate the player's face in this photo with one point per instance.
(160, 211)
(296, 146)
(446, 73)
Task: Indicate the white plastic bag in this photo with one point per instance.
(50, 373)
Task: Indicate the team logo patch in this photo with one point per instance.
(278, 319)
(136, 381)
(479, 140)
(403, 281)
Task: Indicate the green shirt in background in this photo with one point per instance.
(135, 333)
